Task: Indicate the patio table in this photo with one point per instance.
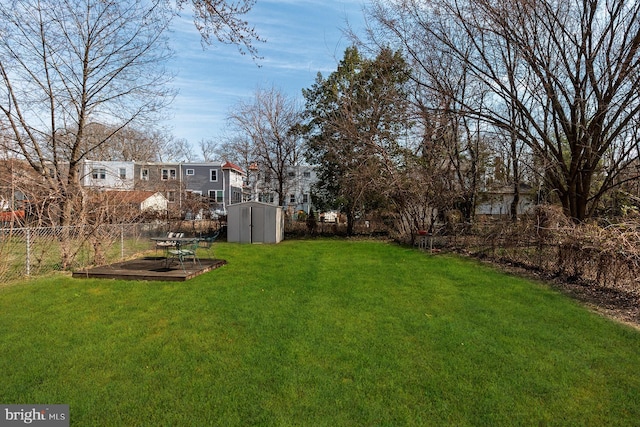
(176, 246)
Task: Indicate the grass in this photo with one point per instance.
(320, 333)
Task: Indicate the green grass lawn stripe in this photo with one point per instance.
(318, 332)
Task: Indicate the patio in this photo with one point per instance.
(151, 268)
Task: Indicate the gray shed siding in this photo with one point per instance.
(255, 222)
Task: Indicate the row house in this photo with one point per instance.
(107, 175)
(222, 184)
(162, 177)
(210, 185)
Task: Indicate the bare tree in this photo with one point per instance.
(269, 123)
(65, 64)
(222, 20)
(178, 150)
(562, 78)
(208, 149)
(128, 144)
(237, 149)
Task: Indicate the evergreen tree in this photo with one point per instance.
(355, 118)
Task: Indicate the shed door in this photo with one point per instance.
(245, 225)
(257, 222)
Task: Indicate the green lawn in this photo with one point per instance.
(318, 333)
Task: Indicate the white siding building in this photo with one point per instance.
(107, 175)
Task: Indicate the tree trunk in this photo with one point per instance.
(350, 220)
(516, 174)
(514, 202)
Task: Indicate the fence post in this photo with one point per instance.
(122, 241)
(28, 260)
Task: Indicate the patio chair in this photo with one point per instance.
(207, 243)
(188, 252)
(166, 244)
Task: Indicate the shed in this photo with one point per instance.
(255, 222)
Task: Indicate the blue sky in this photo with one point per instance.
(303, 37)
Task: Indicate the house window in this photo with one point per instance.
(168, 174)
(217, 195)
(306, 174)
(171, 196)
(213, 175)
(305, 198)
(99, 173)
(266, 197)
(190, 172)
(292, 174)
(144, 174)
(292, 198)
(123, 173)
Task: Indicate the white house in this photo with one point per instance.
(296, 187)
(497, 202)
(107, 174)
(144, 201)
(300, 180)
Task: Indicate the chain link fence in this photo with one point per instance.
(587, 254)
(29, 252)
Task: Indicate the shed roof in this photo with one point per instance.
(254, 203)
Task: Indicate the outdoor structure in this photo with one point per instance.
(497, 202)
(114, 205)
(142, 201)
(255, 222)
(163, 177)
(301, 179)
(297, 186)
(107, 174)
(221, 184)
